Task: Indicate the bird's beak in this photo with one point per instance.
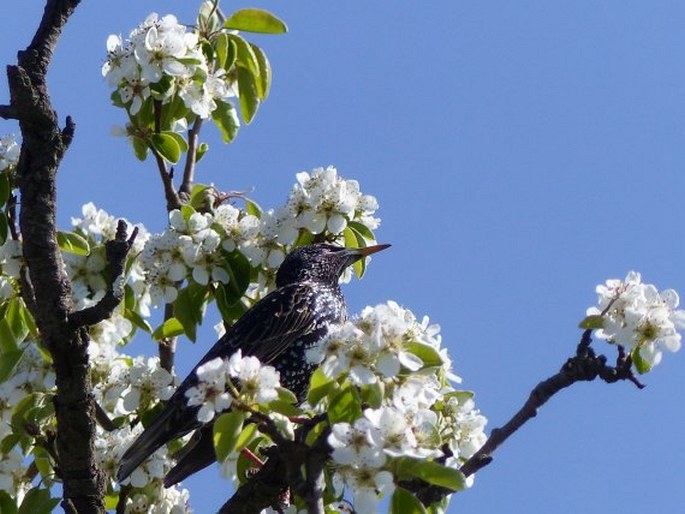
(358, 253)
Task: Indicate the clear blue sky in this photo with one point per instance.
(521, 152)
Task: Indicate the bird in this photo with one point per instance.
(278, 330)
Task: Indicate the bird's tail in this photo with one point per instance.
(197, 455)
(153, 437)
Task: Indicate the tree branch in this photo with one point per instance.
(172, 199)
(7, 112)
(43, 146)
(583, 367)
(189, 169)
(283, 470)
(167, 346)
(116, 251)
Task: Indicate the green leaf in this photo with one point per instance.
(351, 241)
(227, 429)
(404, 502)
(319, 386)
(8, 443)
(194, 61)
(111, 501)
(198, 196)
(189, 308)
(434, 473)
(238, 268)
(244, 466)
(305, 238)
(245, 57)
(282, 407)
(166, 146)
(137, 320)
(30, 323)
(116, 99)
(43, 461)
(426, 353)
(362, 230)
(38, 501)
(641, 364)
(4, 227)
(253, 208)
(248, 95)
(187, 211)
(170, 328)
(172, 111)
(140, 148)
(180, 140)
(200, 151)
(146, 115)
(286, 395)
(229, 311)
(246, 435)
(8, 343)
(5, 188)
(7, 504)
(226, 119)
(70, 242)
(160, 90)
(373, 394)
(221, 45)
(255, 20)
(346, 406)
(263, 81)
(8, 363)
(14, 327)
(315, 433)
(592, 322)
(208, 17)
(231, 55)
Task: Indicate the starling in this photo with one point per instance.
(278, 330)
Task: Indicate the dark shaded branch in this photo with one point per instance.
(172, 199)
(7, 112)
(116, 251)
(264, 489)
(189, 169)
(315, 482)
(43, 147)
(103, 418)
(583, 367)
(12, 217)
(283, 470)
(167, 346)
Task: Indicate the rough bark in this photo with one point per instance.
(43, 146)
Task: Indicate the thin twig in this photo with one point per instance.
(167, 346)
(172, 199)
(189, 168)
(116, 251)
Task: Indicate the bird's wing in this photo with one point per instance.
(264, 331)
(271, 326)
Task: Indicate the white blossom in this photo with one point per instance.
(258, 383)
(210, 393)
(9, 152)
(11, 259)
(640, 318)
(147, 383)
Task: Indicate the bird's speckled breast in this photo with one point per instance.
(293, 365)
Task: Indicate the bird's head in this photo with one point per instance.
(323, 262)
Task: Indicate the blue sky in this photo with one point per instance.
(521, 152)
